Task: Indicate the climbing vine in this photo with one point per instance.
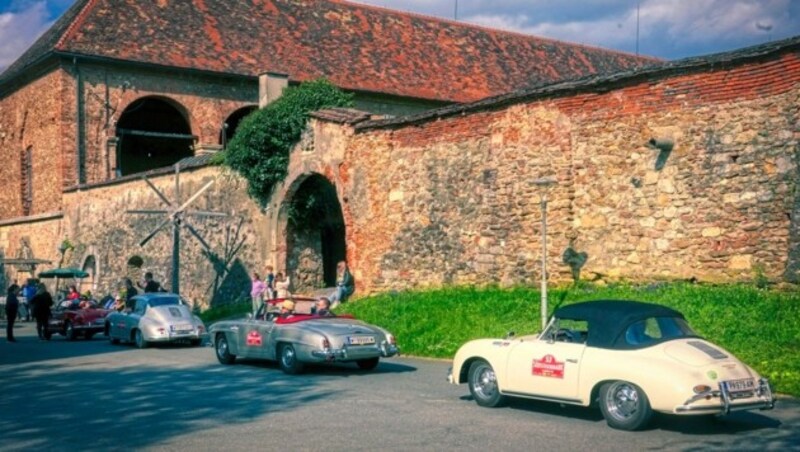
(259, 150)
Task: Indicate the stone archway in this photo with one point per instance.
(232, 123)
(153, 132)
(314, 226)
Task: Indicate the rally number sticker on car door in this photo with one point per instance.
(254, 339)
(548, 366)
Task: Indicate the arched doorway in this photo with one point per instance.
(315, 234)
(232, 123)
(90, 282)
(153, 133)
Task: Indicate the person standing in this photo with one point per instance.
(345, 285)
(257, 289)
(270, 280)
(130, 292)
(12, 308)
(150, 285)
(42, 302)
(29, 291)
(282, 286)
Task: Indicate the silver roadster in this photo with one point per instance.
(301, 338)
(155, 318)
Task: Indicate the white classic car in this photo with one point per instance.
(155, 318)
(630, 358)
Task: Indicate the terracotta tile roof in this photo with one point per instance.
(357, 47)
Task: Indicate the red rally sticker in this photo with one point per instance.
(548, 366)
(253, 338)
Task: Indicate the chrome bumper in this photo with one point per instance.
(343, 354)
(763, 393)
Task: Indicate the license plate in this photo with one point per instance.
(182, 328)
(361, 340)
(747, 384)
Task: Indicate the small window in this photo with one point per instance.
(26, 181)
(655, 329)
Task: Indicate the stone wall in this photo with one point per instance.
(450, 199)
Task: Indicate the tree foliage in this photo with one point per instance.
(259, 150)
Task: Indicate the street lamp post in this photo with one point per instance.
(544, 184)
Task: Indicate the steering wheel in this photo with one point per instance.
(565, 335)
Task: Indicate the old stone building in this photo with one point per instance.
(686, 169)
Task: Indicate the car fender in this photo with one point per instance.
(226, 328)
(303, 340)
(493, 351)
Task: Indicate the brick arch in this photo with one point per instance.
(152, 132)
(309, 251)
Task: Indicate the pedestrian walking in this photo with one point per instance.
(12, 309)
(42, 303)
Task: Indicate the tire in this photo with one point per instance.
(69, 331)
(287, 360)
(625, 406)
(138, 338)
(223, 352)
(483, 385)
(368, 364)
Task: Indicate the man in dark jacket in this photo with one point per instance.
(42, 302)
(12, 309)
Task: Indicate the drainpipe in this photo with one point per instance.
(79, 123)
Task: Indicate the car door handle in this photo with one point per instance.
(571, 360)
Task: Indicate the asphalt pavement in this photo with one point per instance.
(92, 395)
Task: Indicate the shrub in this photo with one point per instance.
(259, 150)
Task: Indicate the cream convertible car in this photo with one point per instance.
(631, 358)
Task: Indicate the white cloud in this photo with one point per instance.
(19, 29)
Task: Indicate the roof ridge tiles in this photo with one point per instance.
(75, 24)
(491, 30)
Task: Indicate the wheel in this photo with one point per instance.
(483, 385)
(288, 360)
(139, 339)
(368, 364)
(624, 405)
(69, 331)
(223, 351)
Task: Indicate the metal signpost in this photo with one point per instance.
(544, 184)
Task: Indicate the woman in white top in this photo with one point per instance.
(282, 283)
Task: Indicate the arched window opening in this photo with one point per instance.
(135, 262)
(232, 123)
(153, 133)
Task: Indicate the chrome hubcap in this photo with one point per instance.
(622, 401)
(288, 356)
(222, 347)
(486, 383)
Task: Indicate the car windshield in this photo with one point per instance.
(657, 329)
(164, 301)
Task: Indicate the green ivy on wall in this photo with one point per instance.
(259, 150)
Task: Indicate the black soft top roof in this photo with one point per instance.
(608, 319)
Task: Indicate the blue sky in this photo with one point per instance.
(668, 29)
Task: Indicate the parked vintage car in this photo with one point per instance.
(302, 338)
(71, 320)
(631, 358)
(155, 318)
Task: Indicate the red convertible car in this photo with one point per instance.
(72, 321)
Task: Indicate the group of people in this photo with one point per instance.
(124, 298)
(276, 286)
(272, 287)
(40, 304)
(322, 308)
